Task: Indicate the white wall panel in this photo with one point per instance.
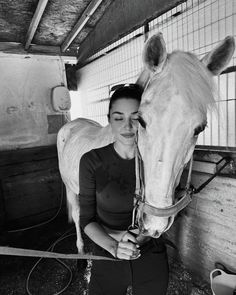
(27, 118)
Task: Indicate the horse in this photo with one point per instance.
(178, 91)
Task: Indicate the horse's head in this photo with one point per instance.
(178, 90)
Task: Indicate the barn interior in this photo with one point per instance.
(53, 45)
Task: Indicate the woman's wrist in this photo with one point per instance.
(115, 234)
(98, 235)
(113, 248)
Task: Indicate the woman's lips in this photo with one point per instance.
(128, 135)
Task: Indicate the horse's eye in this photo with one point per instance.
(142, 122)
(199, 129)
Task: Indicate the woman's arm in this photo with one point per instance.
(115, 234)
(125, 248)
(98, 235)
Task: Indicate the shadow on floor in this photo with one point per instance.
(49, 277)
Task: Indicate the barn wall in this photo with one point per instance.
(31, 189)
(205, 232)
(26, 115)
(30, 183)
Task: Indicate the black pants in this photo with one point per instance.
(148, 275)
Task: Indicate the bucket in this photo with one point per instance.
(222, 283)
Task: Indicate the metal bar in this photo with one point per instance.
(93, 5)
(215, 148)
(146, 31)
(235, 105)
(197, 190)
(227, 110)
(35, 22)
(218, 103)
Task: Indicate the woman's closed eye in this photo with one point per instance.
(121, 119)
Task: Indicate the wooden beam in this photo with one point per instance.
(35, 22)
(120, 18)
(11, 47)
(93, 5)
(44, 49)
(18, 48)
(204, 167)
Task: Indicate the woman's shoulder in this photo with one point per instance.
(96, 156)
(103, 151)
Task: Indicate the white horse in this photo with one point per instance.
(178, 90)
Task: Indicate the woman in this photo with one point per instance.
(107, 186)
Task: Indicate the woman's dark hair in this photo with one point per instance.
(133, 91)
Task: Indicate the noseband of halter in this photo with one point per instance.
(140, 204)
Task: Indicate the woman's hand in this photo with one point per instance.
(127, 247)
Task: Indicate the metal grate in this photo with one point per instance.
(118, 63)
(196, 26)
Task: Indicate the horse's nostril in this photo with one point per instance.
(157, 234)
(144, 231)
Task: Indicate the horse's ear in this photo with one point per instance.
(219, 57)
(155, 54)
(143, 78)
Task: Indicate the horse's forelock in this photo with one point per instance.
(193, 80)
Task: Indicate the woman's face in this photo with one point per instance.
(124, 120)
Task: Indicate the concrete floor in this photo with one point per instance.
(49, 277)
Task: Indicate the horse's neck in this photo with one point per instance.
(105, 136)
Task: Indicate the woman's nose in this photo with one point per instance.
(128, 124)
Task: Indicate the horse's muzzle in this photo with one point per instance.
(153, 231)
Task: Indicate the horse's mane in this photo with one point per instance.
(193, 80)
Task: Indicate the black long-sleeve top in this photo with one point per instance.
(107, 186)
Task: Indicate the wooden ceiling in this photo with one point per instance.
(76, 28)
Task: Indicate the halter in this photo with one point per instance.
(185, 196)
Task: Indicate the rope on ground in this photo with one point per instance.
(44, 222)
(64, 236)
(11, 251)
(49, 253)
